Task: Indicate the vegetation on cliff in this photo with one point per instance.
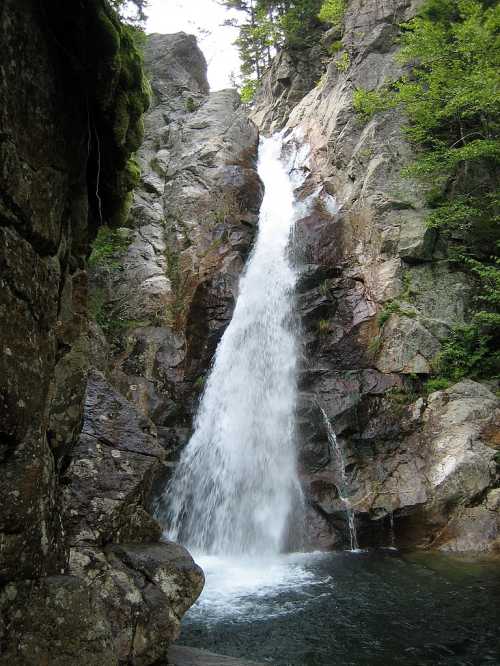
(272, 24)
(102, 56)
(452, 102)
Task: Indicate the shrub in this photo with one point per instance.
(335, 47)
(248, 90)
(332, 11)
(343, 63)
(367, 103)
(436, 384)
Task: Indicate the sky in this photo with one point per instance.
(204, 19)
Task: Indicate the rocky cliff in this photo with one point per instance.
(94, 410)
(169, 291)
(377, 297)
(83, 575)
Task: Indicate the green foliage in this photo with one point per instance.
(452, 101)
(190, 105)
(248, 90)
(300, 22)
(131, 11)
(335, 47)
(267, 25)
(343, 63)
(367, 103)
(436, 384)
(468, 352)
(109, 247)
(332, 11)
(393, 307)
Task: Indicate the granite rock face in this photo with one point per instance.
(191, 227)
(43, 227)
(83, 576)
(376, 297)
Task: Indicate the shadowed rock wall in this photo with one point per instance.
(83, 578)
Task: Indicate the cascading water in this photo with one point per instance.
(338, 456)
(236, 482)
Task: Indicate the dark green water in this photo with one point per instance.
(341, 609)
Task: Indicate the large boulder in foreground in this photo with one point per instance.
(144, 586)
(124, 606)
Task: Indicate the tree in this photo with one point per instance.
(267, 25)
(452, 101)
(132, 11)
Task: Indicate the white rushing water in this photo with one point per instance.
(236, 483)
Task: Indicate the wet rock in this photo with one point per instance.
(112, 470)
(291, 76)
(144, 586)
(43, 229)
(63, 621)
(145, 590)
(191, 226)
(435, 478)
(376, 298)
(180, 655)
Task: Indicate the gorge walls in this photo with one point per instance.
(83, 576)
(112, 307)
(377, 296)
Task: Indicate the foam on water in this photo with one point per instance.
(248, 589)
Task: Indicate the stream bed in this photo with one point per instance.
(349, 609)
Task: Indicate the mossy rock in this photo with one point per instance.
(121, 96)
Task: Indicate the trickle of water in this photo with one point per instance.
(338, 456)
(393, 534)
(236, 482)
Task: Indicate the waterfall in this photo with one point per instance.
(338, 457)
(236, 482)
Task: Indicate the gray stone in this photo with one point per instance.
(62, 621)
(180, 655)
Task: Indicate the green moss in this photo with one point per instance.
(393, 307)
(335, 47)
(109, 247)
(109, 41)
(122, 95)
